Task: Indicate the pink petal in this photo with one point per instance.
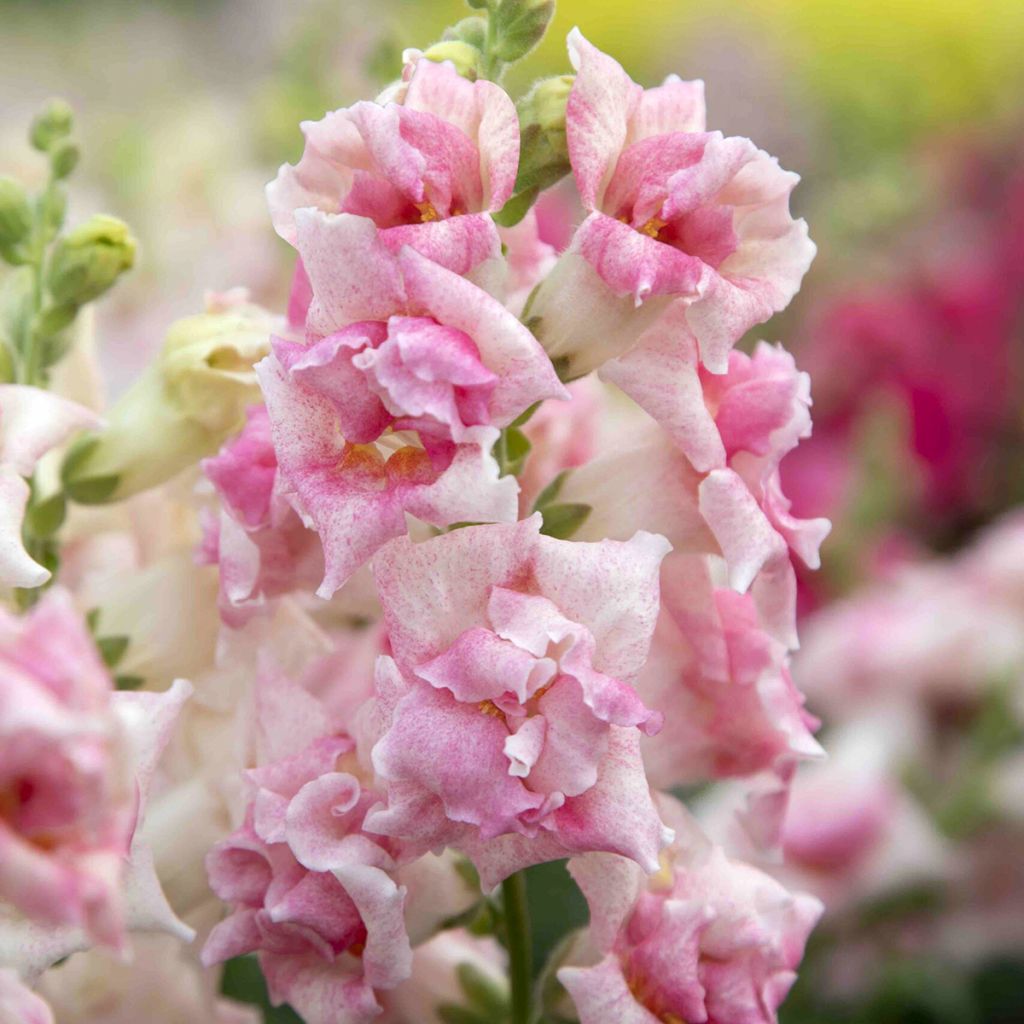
(631, 263)
(597, 117)
(483, 111)
(525, 374)
(455, 751)
(434, 591)
(317, 819)
(602, 996)
(353, 275)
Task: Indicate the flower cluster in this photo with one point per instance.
(446, 617)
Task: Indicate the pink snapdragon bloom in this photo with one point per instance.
(426, 171)
(32, 422)
(259, 542)
(20, 1005)
(707, 939)
(308, 890)
(731, 707)
(75, 764)
(932, 635)
(677, 214)
(311, 891)
(852, 832)
(508, 722)
(393, 406)
(718, 492)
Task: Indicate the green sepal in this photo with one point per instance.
(519, 26)
(513, 447)
(551, 492)
(562, 521)
(46, 518)
(516, 208)
(112, 649)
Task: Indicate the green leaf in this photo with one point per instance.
(125, 682)
(511, 450)
(551, 492)
(562, 521)
(520, 25)
(112, 649)
(516, 208)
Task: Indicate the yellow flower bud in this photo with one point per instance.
(464, 56)
(185, 405)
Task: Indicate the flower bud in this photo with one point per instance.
(544, 151)
(89, 259)
(185, 405)
(54, 122)
(64, 158)
(15, 213)
(464, 56)
(470, 30)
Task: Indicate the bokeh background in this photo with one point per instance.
(906, 120)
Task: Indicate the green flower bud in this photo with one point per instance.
(544, 106)
(89, 259)
(519, 26)
(64, 158)
(470, 30)
(465, 57)
(15, 213)
(183, 408)
(543, 150)
(54, 122)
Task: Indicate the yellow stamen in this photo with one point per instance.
(664, 877)
(427, 212)
(653, 227)
(488, 707)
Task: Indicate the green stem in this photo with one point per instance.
(520, 950)
(491, 67)
(31, 349)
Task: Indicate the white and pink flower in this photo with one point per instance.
(709, 479)
(676, 215)
(707, 939)
(320, 899)
(509, 725)
(32, 422)
(393, 406)
(426, 171)
(76, 759)
(259, 543)
(723, 684)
